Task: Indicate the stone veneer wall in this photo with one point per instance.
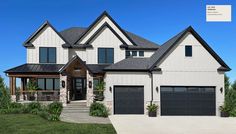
(63, 91)
(89, 96)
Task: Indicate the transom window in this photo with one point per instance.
(188, 51)
(105, 55)
(47, 55)
(48, 83)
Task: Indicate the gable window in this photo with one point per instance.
(134, 53)
(188, 51)
(105, 55)
(47, 55)
(141, 53)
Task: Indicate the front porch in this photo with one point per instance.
(55, 82)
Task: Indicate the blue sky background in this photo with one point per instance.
(156, 20)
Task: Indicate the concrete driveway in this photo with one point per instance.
(142, 124)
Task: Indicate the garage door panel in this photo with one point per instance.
(187, 100)
(128, 100)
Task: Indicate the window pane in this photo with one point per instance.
(166, 89)
(41, 84)
(188, 51)
(42, 55)
(101, 55)
(141, 53)
(95, 82)
(51, 55)
(110, 55)
(127, 54)
(134, 53)
(180, 89)
(57, 84)
(49, 84)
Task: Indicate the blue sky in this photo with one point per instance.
(156, 20)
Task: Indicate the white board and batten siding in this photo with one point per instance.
(105, 39)
(198, 70)
(47, 38)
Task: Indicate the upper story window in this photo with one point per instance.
(105, 55)
(134, 54)
(141, 53)
(47, 55)
(188, 51)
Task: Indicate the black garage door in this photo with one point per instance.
(188, 100)
(128, 100)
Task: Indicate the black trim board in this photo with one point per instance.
(94, 23)
(46, 23)
(198, 37)
(100, 29)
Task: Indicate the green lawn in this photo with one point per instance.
(33, 124)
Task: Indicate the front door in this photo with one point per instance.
(79, 90)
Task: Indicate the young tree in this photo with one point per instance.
(5, 98)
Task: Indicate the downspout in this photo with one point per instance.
(151, 87)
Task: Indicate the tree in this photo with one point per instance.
(227, 84)
(5, 98)
(233, 86)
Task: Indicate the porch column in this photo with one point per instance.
(63, 89)
(12, 85)
(22, 88)
(90, 95)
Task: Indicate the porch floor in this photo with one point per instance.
(78, 112)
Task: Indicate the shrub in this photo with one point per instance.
(54, 109)
(15, 105)
(152, 108)
(98, 109)
(34, 107)
(44, 114)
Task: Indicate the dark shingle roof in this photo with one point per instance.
(36, 68)
(96, 68)
(72, 34)
(130, 64)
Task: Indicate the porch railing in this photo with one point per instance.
(40, 95)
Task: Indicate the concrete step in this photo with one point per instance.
(76, 108)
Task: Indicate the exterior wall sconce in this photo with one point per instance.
(63, 84)
(221, 90)
(90, 84)
(110, 89)
(157, 89)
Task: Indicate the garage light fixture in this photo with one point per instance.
(157, 89)
(110, 89)
(221, 90)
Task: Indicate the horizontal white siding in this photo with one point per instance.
(47, 38)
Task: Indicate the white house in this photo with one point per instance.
(184, 76)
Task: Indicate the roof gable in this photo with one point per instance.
(28, 43)
(170, 44)
(83, 39)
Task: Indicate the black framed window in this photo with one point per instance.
(127, 54)
(188, 51)
(141, 53)
(48, 83)
(134, 53)
(47, 55)
(105, 55)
